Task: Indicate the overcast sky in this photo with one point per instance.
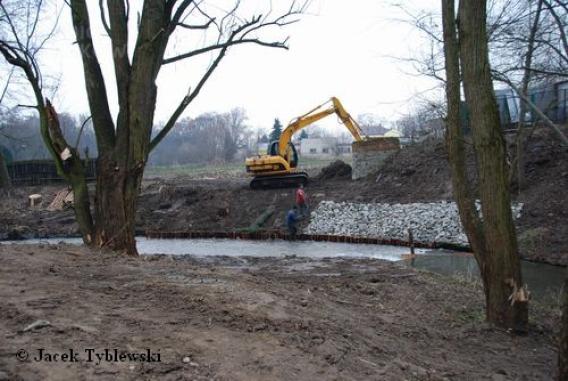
(338, 48)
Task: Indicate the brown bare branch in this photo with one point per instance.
(186, 101)
(103, 17)
(81, 131)
(533, 107)
(201, 26)
(119, 40)
(94, 81)
(224, 45)
(561, 25)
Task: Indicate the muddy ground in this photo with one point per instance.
(253, 319)
(418, 173)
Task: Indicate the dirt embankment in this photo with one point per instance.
(416, 174)
(251, 319)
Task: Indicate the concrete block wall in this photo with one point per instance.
(370, 154)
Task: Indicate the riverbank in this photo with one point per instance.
(415, 183)
(255, 318)
(434, 222)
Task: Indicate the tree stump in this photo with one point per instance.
(35, 199)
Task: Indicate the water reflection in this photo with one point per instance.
(542, 279)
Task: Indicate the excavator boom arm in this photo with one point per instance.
(347, 120)
(312, 117)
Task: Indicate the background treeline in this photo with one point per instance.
(208, 138)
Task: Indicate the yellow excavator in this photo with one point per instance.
(277, 168)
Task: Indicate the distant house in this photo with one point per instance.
(343, 148)
(392, 134)
(404, 141)
(551, 99)
(318, 146)
(377, 130)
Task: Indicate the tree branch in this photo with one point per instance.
(103, 17)
(560, 25)
(119, 40)
(202, 26)
(223, 45)
(533, 107)
(186, 101)
(177, 15)
(94, 80)
(81, 132)
(548, 72)
(239, 33)
(239, 30)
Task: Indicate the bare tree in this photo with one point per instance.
(552, 41)
(425, 120)
(210, 137)
(5, 181)
(492, 238)
(21, 44)
(236, 132)
(527, 42)
(513, 25)
(124, 144)
(563, 339)
(371, 124)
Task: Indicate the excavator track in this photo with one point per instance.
(283, 181)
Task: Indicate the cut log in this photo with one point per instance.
(63, 198)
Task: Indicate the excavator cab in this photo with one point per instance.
(273, 148)
(291, 154)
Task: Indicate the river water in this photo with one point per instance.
(542, 279)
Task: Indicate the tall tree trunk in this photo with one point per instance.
(5, 181)
(506, 301)
(461, 186)
(114, 215)
(455, 139)
(563, 344)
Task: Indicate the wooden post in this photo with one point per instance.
(412, 255)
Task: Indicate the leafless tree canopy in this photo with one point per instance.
(25, 29)
(509, 26)
(145, 36)
(208, 138)
(218, 29)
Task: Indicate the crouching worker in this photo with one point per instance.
(291, 222)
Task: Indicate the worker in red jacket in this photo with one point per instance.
(301, 201)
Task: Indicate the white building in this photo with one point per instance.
(318, 146)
